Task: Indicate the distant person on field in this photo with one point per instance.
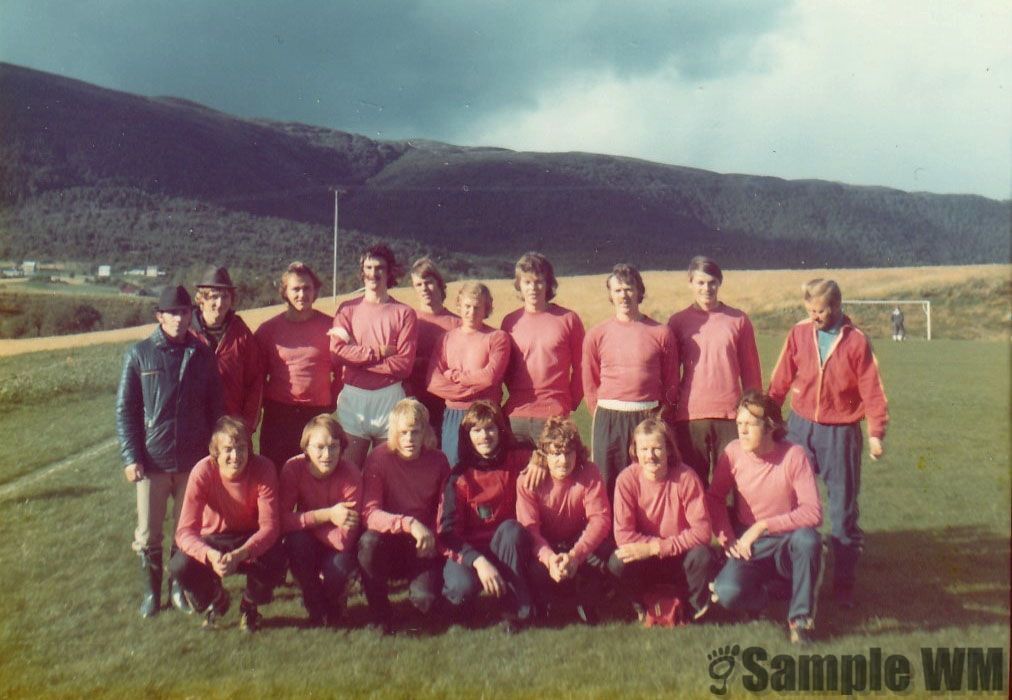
(777, 510)
(544, 376)
(434, 321)
(568, 518)
(899, 330)
(630, 370)
(469, 363)
(235, 350)
(828, 369)
(320, 499)
(717, 348)
(302, 377)
(403, 487)
(169, 398)
(229, 525)
(375, 337)
(662, 527)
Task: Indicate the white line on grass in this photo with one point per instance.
(19, 483)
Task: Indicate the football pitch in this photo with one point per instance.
(936, 510)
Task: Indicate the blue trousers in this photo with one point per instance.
(835, 453)
(510, 552)
(320, 571)
(796, 556)
(451, 434)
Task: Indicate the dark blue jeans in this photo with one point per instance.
(795, 556)
(387, 555)
(835, 453)
(321, 572)
(510, 552)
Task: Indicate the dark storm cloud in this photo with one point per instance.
(407, 68)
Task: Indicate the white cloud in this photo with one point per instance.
(903, 94)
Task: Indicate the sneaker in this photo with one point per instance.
(180, 601)
(511, 626)
(641, 612)
(380, 625)
(217, 609)
(588, 614)
(802, 630)
(698, 615)
(249, 617)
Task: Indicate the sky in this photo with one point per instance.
(907, 94)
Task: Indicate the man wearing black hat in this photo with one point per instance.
(168, 401)
(236, 354)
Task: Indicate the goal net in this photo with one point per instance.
(875, 316)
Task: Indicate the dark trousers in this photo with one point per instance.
(611, 436)
(835, 453)
(321, 572)
(795, 556)
(281, 430)
(510, 553)
(689, 573)
(588, 586)
(527, 430)
(436, 407)
(386, 555)
(702, 441)
(199, 580)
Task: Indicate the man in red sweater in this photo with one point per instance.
(546, 357)
(828, 368)
(630, 368)
(236, 354)
(229, 525)
(375, 337)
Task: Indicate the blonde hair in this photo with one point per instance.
(302, 270)
(326, 423)
(204, 293)
(408, 411)
(476, 290)
(823, 289)
(562, 431)
(229, 427)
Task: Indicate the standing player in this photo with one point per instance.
(434, 321)
(168, 401)
(828, 368)
(547, 352)
(716, 344)
(630, 366)
(235, 350)
(469, 363)
(375, 337)
(302, 379)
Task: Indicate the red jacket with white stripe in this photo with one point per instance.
(843, 389)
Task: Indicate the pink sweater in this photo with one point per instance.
(778, 487)
(298, 361)
(672, 511)
(467, 367)
(719, 361)
(630, 361)
(574, 509)
(212, 505)
(544, 376)
(396, 492)
(372, 326)
(431, 327)
(302, 492)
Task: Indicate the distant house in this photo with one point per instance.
(29, 267)
(136, 272)
(104, 271)
(151, 271)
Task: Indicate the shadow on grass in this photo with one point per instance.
(52, 494)
(925, 580)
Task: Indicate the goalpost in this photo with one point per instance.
(923, 303)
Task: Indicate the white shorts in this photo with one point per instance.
(365, 413)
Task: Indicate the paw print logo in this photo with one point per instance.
(722, 663)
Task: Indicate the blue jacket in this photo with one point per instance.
(163, 421)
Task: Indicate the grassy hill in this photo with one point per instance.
(71, 153)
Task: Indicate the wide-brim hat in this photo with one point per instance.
(217, 277)
(173, 298)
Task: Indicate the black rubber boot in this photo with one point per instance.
(151, 577)
(176, 595)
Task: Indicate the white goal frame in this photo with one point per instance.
(923, 303)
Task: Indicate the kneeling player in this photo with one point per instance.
(229, 525)
(319, 516)
(569, 520)
(661, 525)
(402, 486)
(777, 509)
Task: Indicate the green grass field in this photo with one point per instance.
(936, 571)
